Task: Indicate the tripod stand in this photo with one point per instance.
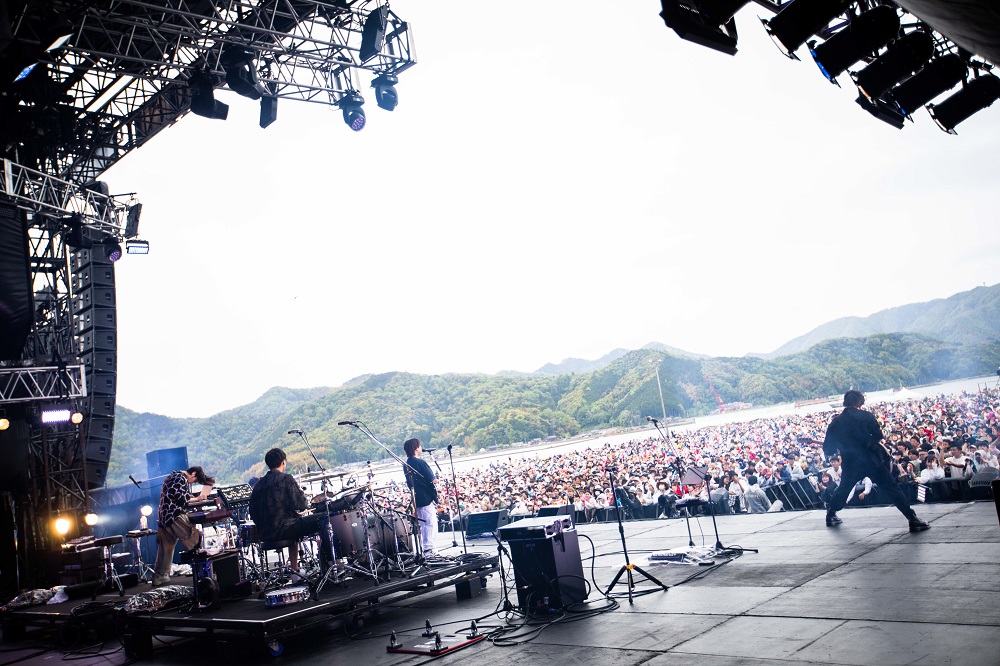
(628, 568)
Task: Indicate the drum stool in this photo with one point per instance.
(274, 576)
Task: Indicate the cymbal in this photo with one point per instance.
(312, 477)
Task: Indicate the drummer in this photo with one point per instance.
(274, 505)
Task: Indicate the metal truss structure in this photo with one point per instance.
(82, 84)
(124, 74)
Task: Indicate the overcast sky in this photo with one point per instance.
(559, 179)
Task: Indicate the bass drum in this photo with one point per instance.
(390, 533)
(348, 532)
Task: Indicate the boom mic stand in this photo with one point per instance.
(419, 559)
(458, 507)
(628, 568)
(330, 574)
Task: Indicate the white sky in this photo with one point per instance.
(559, 179)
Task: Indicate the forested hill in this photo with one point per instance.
(472, 411)
(968, 317)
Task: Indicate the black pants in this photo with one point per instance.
(880, 476)
(314, 523)
(665, 504)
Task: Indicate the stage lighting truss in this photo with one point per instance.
(897, 63)
(125, 69)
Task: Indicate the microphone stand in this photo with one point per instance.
(418, 559)
(454, 487)
(330, 575)
(628, 567)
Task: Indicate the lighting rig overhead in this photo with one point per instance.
(897, 64)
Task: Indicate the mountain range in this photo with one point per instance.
(955, 339)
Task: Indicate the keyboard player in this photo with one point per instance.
(173, 524)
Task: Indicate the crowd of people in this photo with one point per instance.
(930, 440)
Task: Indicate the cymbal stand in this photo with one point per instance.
(417, 558)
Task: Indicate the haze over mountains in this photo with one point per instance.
(951, 338)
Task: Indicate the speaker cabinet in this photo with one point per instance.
(548, 571)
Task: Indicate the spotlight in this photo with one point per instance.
(940, 75)
(132, 215)
(385, 94)
(136, 246)
(144, 513)
(241, 73)
(76, 418)
(974, 97)
(146, 510)
(709, 23)
(354, 115)
(4, 423)
(864, 34)
(799, 20)
(373, 33)
(90, 519)
(203, 102)
(62, 525)
(903, 57)
(112, 250)
(887, 113)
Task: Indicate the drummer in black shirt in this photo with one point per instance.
(275, 504)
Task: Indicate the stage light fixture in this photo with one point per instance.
(241, 73)
(90, 519)
(865, 34)
(268, 111)
(56, 414)
(62, 525)
(112, 250)
(4, 422)
(939, 76)
(887, 113)
(132, 215)
(903, 57)
(709, 23)
(136, 246)
(354, 115)
(146, 510)
(801, 19)
(76, 418)
(203, 102)
(373, 33)
(385, 93)
(975, 96)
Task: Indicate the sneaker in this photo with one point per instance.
(917, 525)
(832, 520)
(159, 580)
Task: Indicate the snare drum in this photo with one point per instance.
(286, 596)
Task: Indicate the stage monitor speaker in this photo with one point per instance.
(485, 522)
(16, 307)
(556, 510)
(548, 571)
(164, 461)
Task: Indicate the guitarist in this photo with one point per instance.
(856, 434)
(420, 478)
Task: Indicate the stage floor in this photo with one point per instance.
(866, 592)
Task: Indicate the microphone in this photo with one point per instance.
(295, 432)
(428, 450)
(347, 423)
(651, 419)
(132, 479)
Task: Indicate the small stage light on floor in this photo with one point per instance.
(90, 519)
(709, 23)
(136, 246)
(62, 525)
(354, 115)
(799, 20)
(903, 57)
(385, 92)
(975, 96)
(865, 34)
(112, 250)
(144, 513)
